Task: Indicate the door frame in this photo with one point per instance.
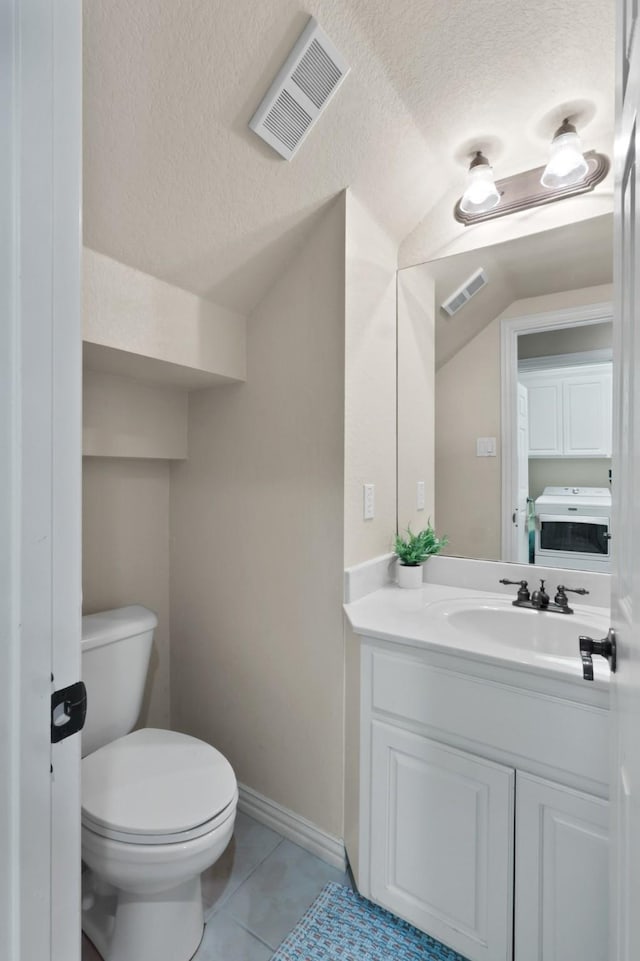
(40, 473)
(510, 329)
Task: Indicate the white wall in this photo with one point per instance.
(416, 396)
(123, 418)
(125, 520)
(275, 466)
(257, 546)
(574, 471)
(468, 504)
(140, 316)
(603, 293)
(137, 325)
(130, 430)
(568, 340)
(370, 383)
(468, 488)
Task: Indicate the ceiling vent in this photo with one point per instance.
(308, 80)
(463, 294)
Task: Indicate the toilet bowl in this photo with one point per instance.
(158, 808)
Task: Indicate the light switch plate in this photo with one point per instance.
(420, 495)
(485, 447)
(369, 501)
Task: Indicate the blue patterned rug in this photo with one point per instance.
(342, 926)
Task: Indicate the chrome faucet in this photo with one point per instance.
(539, 600)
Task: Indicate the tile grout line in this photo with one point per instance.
(219, 905)
(253, 934)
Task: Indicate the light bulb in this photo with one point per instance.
(481, 193)
(566, 165)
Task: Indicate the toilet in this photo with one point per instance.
(158, 807)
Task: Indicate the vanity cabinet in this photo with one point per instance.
(570, 411)
(562, 877)
(482, 804)
(441, 830)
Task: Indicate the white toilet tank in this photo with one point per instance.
(116, 646)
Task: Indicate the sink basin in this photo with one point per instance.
(501, 623)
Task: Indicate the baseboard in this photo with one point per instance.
(293, 827)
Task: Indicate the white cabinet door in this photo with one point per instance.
(562, 873)
(441, 841)
(587, 415)
(545, 415)
(569, 411)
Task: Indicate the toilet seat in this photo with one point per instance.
(127, 837)
(156, 787)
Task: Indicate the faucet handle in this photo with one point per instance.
(523, 591)
(560, 600)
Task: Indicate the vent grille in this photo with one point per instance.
(304, 86)
(455, 304)
(287, 120)
(317, 74)
(463, 294)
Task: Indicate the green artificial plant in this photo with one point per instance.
(414, 549)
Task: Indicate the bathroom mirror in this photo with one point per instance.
(556, 276)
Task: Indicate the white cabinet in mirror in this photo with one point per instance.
(553, 290)
(569, 409)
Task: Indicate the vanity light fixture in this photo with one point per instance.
(481, 194)
(567, 164)
(568, 173)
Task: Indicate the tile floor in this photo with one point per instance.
(254, 895)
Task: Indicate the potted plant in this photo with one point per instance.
(413, 550)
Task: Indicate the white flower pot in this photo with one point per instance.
(409, 576)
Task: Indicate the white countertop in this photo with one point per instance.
(415, 617)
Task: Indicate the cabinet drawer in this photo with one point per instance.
(549, 731)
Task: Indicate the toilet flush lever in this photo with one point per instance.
(68, 711)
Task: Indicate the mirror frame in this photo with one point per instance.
(510, 330)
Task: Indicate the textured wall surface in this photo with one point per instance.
(370, 383)
(257, 546)
(125, 543)
(177, 185)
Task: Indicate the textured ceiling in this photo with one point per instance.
(566, 258)
(176, 184)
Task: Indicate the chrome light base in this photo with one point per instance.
(523, 190)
